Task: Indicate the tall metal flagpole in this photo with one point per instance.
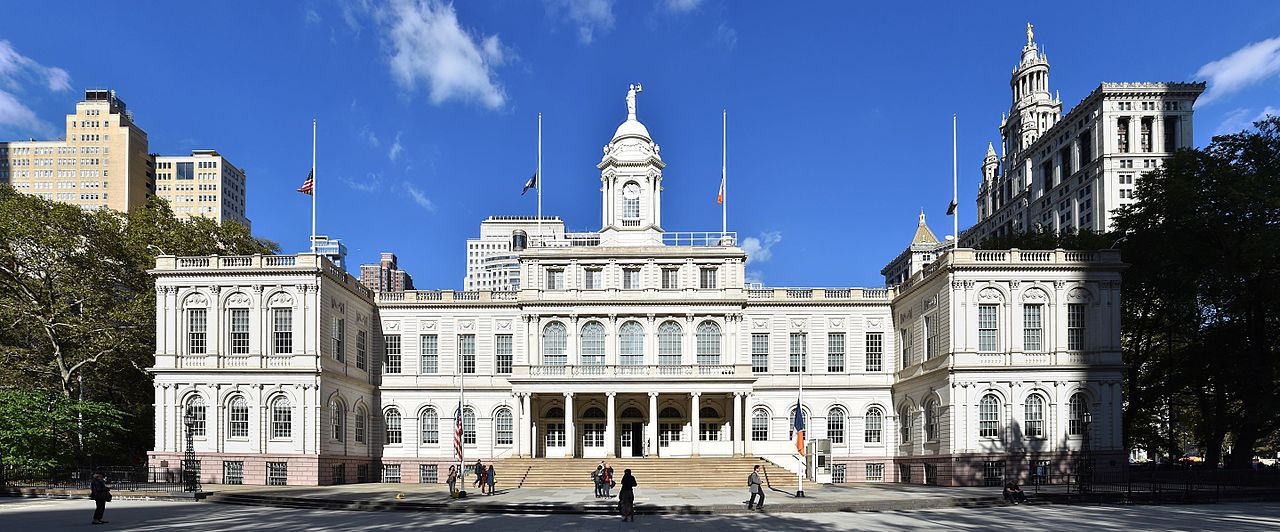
(804, 361)
(461, 422)
(724, 180)
(313, 185)
(538, 182)
(955, 216)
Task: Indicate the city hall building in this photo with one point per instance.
(969, 368)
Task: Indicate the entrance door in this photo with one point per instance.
(637, 439)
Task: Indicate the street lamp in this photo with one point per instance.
(1084, 471)
(190, 466)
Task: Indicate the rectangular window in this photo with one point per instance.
(339, 339)
(670, 279)
(631, 278)
(277, 472)
(760, 352)
(835, 352)
(503, 356)
(993, 474)
(593, 434)
(707, 278)
(555, 279)
(555, 434)
(1039, 472)
(391, 353)
(799, 348)
(1122, 134)
(905, 335)
(282, 331)
(930, 338)
(931, 474)
(1170, 134)
(1075, 326)
(839, 473)
(362, 473)
(1033, 328)
(987, 328)
(430, 357)
(875, 472)
(1146, 134)
(391, 473)
(338, 473)
(238, 420)
(233, 472)
(239, 320)
(362, 350)
(467, 352)
(709, 432)
(904, 473)
(875, 351)
(667, 433)
(196, 322)
(428, 474)
(592, 279)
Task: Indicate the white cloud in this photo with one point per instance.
(419, 197)
(588, 16)
(429, 47)
(754, 276)
(760, 249)
(1246, 66)
(14, 114)
(311, 17)
(1267, 111)
(727, 36)
(369, 136)
(1239, 119)
(19, 73)
(371, 182)
(396, 148)
(681, 6)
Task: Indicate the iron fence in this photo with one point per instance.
(127, 478)
(1137, 485)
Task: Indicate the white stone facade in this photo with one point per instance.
(639, 342)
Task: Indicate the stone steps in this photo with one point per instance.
(714, 472)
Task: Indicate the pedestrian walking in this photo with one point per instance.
(101, 495)
(753, 484)
(491, 479)
(626, 497)
(453, 482)
(479, 470)
(597, 479)
(483, 479)
(607, 485)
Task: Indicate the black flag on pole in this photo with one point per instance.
(951, 209)
(531, 183)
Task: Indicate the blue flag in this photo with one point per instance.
(799, 426)
(531, 183)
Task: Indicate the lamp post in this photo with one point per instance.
(190, 466)
(1084, 471)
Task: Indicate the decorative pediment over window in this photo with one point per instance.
(281, 299)
(238, 299)
(1078, 295)
(1035, 295)
(875, 324)
(990, 295)
(195, 300)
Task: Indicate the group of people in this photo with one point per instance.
(485, 478)
(602, 477)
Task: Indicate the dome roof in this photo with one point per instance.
(631, 128)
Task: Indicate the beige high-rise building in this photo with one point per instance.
(103, 162)
(202, 184)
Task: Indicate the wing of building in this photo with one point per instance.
(974, 367)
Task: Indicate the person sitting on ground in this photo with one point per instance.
(1013, 493)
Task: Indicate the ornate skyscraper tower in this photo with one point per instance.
(631, 184)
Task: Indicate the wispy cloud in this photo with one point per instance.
(371, 182)
(590, 17)
(726, 35)
(396, 149)
(1252, 63)
(1241, 119)
(681, 6)
(760, 248)
(430, 48)
(369, 136)
(419, 197)
(19, 73)
(311, 17)
(754, 276)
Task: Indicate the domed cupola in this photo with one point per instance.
(631, 142)
(631, 184)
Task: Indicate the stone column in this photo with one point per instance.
(651, 433)
(610, 441)
(526, 449)
(737, 424)
(568, 425)
(693, 420)
(746, 442)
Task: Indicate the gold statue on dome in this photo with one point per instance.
(1030, 32)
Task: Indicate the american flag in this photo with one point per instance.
(457, 432)
(308, 186)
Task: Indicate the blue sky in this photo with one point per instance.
(839, 113)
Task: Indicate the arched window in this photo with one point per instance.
(281, 418)
(670, 341)
(708, 343)
(631, 412)
(195, 413)
(760, 425)
(593, 343)
(1035, 416)
(630, 203)
(593, 413)
(835, 424)
(430, 426)
(1077, 410)
(669, 413)
(904, 424)
(708, 412)
(394, 434)
(631, 344)
(503, 427)
(875, 425)
(238, 418)
(337, 418)
(554, 344)
(362, 419)
(931, 421)
(555, 413)
(468, 426)
(989, 416)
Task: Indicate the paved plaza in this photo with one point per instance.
(62, 514)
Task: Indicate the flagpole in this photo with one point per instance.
(313, 185)
(724, 163)
(955, 216)
(538, 180)
(462, 419)
(804, 361)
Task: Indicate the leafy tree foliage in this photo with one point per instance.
(77, 307)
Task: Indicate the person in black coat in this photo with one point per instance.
(626, 497)
(101, 495)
